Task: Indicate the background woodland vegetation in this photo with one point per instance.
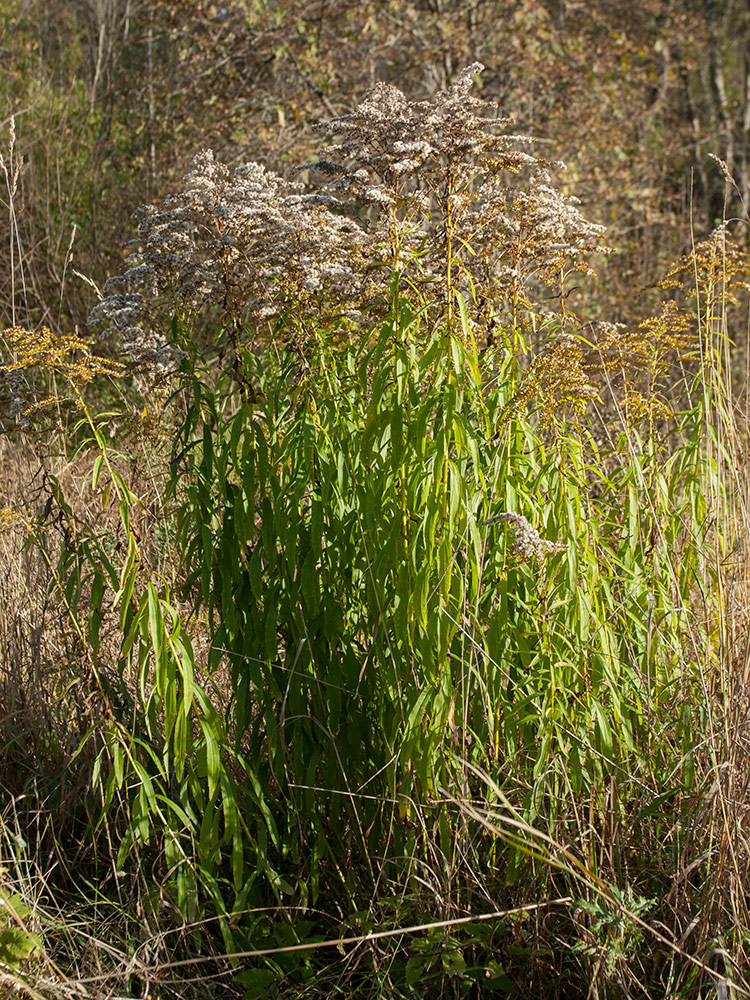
(113, 98)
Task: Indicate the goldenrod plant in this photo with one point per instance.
(425, 644)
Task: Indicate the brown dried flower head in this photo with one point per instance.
(525, 542)
(236, 247)
(453, 199)
(435, 190)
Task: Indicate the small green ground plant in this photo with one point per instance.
(431, 662)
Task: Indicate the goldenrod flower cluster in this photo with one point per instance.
(39, 352)
(437, 191)
(524, 541)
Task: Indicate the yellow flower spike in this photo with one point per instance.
(11, 520)
(44, 350)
